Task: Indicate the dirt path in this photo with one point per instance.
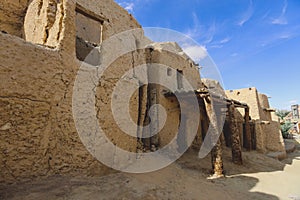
(259, 178)
(284, 184)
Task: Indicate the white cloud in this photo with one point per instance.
(281, 20)
(196, 53)
(129, 6)
(247, 15)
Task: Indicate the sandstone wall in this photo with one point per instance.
(268, 133)
(264, 104)
(248, 96)
(167, 54)
(37, 129)
(12, 13)
(43, 22)
(38, 136)
(269, 137)
(117, 19)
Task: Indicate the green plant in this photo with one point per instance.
(282, 113)
(285, 129)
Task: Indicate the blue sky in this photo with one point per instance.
(254, 43)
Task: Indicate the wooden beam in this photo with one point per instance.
(270, 109)
(90, 14)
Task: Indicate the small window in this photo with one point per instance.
(295, 112)
(179, 79)
(88, 35)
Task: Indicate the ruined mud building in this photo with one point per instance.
(43, 44)
(294, 117)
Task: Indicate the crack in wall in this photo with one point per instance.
(24, 98)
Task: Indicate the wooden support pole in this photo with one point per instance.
(154, 140)
(236, 148)
(248, 144)
(216, 153)
(217, 160)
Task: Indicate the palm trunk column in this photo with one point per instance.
(235, 137)
(216, 153)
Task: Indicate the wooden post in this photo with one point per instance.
(216, 153)
(248, 144)
(217, 160)
(235, 137)
(154, 140)
(151, 143)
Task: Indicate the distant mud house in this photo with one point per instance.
(44, 43)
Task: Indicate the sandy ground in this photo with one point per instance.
(284, 184)
(260, 177)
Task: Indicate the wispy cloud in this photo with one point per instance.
(265, 15)
(247, 15)
(216, 46)
(278, 37)
(225, 40)
(210, 33)
(281, 20)
(202, 33)
(285, 36)
(196, 28)
(293, 101)
(220, 44)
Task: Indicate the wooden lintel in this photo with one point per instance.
(90, 14)
(270, 109)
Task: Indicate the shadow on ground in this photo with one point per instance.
(184, 179)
